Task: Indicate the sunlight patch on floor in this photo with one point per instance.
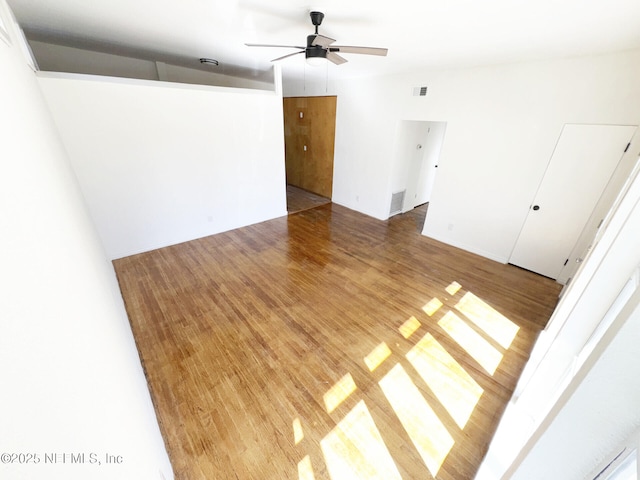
(298, 434)
(428, 434)
(452, 385)
(475, 345)
(378, 355)
(432, 306)
(494, 324)
(453, 288)
(355, 449)
(339, 392)
(409, 327)
(305, 470)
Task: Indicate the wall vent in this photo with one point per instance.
(397, 201)
(419, 91)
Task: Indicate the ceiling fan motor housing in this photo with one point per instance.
(316, 18)
(310, 40)
(315, 52)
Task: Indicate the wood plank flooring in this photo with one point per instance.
(327, 344)
(299, 199)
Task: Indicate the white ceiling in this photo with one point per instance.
(419, 33)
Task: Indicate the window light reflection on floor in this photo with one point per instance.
(409, 327)
(475, 345)
(355, 449)
(453, 288)
(452, 385)
(378, 355)
(298, 434)
(305, 470)
(432, 306)
(494, 324)
(339, 392)
(427, 432)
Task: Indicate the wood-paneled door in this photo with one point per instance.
(309, 132)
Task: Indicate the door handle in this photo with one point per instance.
(536, 207)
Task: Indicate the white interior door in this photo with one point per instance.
(584, 159)
(416, 161)
(627, 165)
(432, 147)
(424, 151)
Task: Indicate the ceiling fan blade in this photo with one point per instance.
(364, 50)
(287, 56)
(335, 58)
(322, 41)
(269, 45)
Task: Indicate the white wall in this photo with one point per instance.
(601, 412)
(502, 125)
(589, 387)
(365, 146)
(61, 58)
(179, 74)
(71, 376)
(162, 163)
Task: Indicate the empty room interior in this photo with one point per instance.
(330, 241)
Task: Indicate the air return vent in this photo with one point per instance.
(419, 91)
(397, 200)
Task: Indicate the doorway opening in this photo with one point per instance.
(418, 148)
(299, 199)
(309, 135)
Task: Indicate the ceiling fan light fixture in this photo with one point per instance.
(316, 57)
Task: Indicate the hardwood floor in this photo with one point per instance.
(418, 214)
(299, 199)
(314, 346)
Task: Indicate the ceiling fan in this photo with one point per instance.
(320, 47)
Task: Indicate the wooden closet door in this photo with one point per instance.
(309, 129)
